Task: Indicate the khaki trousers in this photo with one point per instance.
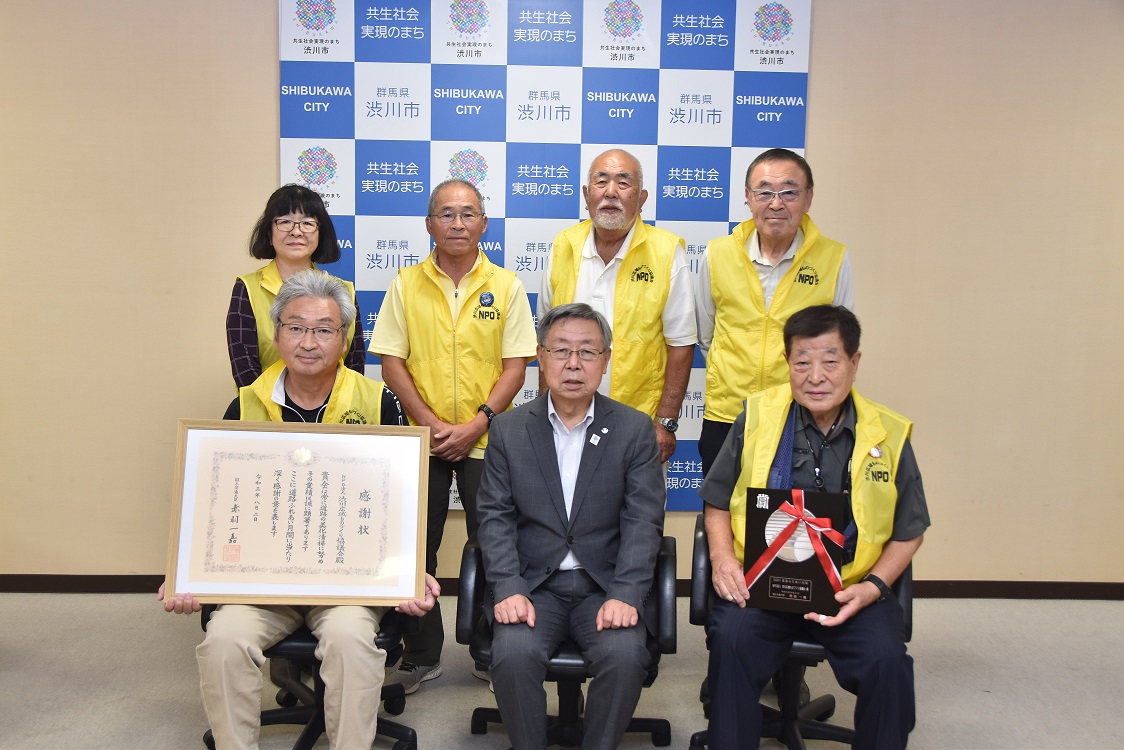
(230, 661)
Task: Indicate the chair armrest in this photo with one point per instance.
(664, 585)
(395, 624)
(472, 583)
(701, 588)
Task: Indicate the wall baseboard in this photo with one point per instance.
(13, 583)
(147, 584)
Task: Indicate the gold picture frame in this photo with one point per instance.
(313, 514)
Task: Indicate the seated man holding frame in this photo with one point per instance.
(817, 433)
(311, 314)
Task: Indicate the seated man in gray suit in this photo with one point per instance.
(571, 514)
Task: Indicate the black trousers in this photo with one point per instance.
(424, 647)
(867, 654)
(711, 438)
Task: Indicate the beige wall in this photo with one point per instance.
(970, 154)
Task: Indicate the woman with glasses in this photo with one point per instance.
(294, 233)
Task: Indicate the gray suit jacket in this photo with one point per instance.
(616, 519)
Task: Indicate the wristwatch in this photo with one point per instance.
(487, 412)
(882, 587)
(668, 424)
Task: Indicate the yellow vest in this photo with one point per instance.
(355, 399)
(643, 282)
(456, 365)
(874, 496)
(747, 351)
(262, 286)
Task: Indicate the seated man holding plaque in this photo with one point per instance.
(311, 313)
(815, 433)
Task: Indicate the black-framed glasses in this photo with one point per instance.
(767, 196)
(467, 217)
(308, 226)
(585, 355)
(294, 332)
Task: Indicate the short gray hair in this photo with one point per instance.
(454, 181)
(581, 311)
(314, 283)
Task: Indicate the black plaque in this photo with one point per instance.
(795, 580)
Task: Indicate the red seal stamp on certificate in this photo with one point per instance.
(231, 553)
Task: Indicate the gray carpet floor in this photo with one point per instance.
(114, 671)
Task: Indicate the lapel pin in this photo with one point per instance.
(594, 439)
(604, 430)
(876, 452)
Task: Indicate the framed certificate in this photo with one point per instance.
(276, 513)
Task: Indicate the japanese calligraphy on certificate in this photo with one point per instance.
(298, 513)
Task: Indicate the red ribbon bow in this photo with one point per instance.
(815, 527)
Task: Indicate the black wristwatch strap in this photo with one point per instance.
(880, 584)
(487, 412)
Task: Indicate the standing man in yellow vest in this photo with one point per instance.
(817, 433)
(637, 277)
(752, 280)
(454, 333)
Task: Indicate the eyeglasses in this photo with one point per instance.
(585, 355)
(447, 217)
(294, 332)
(308, 226)
(786, 196)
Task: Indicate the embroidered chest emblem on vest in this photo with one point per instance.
(807, 275)
(352, 417)
(877, 470)
(485, 312)
(643, 273)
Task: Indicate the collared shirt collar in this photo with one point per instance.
(754, 248)
(590, 249)
(847, 422)
(556, 420)
(479, 260)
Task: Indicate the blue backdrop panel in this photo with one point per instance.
(379, 102)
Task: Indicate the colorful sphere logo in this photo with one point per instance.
(773, 22)
(468, 16)
(468, 165)
(316, 15)
(317, 166)
(623, 18)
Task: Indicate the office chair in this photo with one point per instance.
(295, 655)
(793, 722)
(566, 667)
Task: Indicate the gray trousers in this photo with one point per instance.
(566, 606)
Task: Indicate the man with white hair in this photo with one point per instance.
(635, 275)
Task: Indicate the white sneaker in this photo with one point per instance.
(411, 676)
(482, 674)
